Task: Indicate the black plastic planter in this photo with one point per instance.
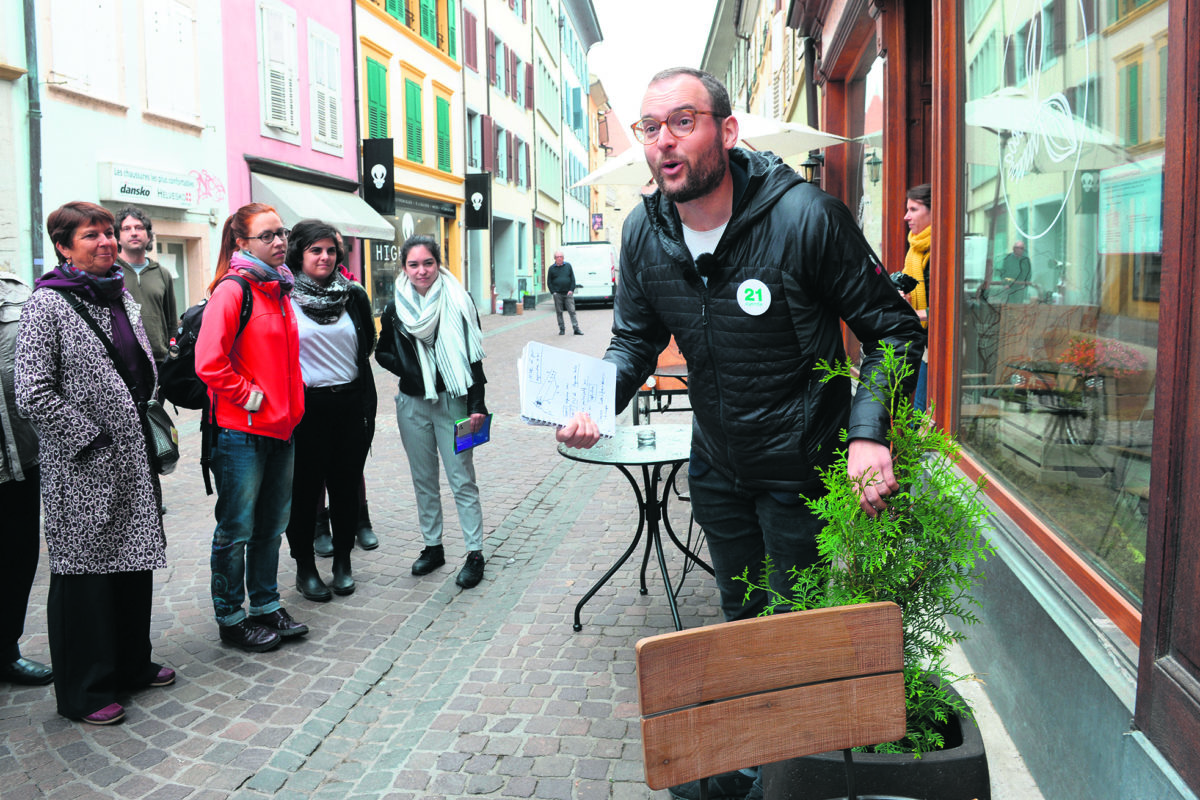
(956, 773)
(509, 308)
(530, 302)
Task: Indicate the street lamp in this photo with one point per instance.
(812, 166)
(874, 167)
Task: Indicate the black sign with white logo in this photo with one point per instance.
(379, 176)
(477, 214)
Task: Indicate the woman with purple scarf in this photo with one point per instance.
(101, 498)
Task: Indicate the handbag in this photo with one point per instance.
(162, 438)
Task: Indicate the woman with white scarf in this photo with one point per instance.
(430, 337)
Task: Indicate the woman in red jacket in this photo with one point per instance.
(256, 398)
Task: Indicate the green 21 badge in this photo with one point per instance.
(754, 297)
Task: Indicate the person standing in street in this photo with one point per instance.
(256, 400)
(148, 281)
(560, 278)
(429, 336)
(1015, 273)
(101, 497)
(20, 497)
(918, 215)
(751, 268)
(337, 336)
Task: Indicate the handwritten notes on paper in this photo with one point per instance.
(556, 383)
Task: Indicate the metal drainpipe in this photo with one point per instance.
(35, 139)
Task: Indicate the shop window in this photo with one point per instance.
(412, 121)
(377, 100)
(1063, 255)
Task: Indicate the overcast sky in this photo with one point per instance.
(642, 37)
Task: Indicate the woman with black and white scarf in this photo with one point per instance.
(337, 334)
(430, 337)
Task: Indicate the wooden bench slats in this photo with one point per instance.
(747, 693)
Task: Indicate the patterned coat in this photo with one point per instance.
(101, 507)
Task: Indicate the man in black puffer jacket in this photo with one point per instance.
(751, 269)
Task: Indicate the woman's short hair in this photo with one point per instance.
(66, 219)
(421, 240)
(922, 193)
(307, 233)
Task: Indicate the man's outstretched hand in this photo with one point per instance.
(870, 463)
(580, 432)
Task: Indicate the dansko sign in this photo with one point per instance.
(142, 186)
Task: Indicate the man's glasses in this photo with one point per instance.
(681, 123)
(266, 237)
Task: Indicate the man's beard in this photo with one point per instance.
(703, 176)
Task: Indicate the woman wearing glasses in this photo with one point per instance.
(256, 399)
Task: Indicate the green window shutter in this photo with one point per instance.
(412, 121)
(1132, 112)
(429, 21)
(451, 30)
(376, 100)
(443, 134)
(396, 9)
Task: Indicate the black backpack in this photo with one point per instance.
(177, 377)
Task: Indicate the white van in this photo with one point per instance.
(595, 268)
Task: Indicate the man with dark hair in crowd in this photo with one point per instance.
(148, 281)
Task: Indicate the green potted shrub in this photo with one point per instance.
(923, 553)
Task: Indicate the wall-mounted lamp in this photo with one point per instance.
(811, 166)
(874, 167)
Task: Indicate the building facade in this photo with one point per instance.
(19, 107)
(410, 89)
(1064, 215)
(579, 31)
(133, 123)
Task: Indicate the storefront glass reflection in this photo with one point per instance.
(1063, 255)
(385, 256)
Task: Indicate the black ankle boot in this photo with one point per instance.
(322, 537)
(343, 581)
(430, 559)
(367, 539)
(309, 583)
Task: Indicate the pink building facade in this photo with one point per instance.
(291, 128)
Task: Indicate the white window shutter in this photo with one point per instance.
(279, 69)
(325, 79)
(170, 59)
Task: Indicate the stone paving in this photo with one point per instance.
(411, 687)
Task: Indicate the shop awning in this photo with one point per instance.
(295, 201)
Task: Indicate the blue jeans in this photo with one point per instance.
(253, 476)
(742, 527)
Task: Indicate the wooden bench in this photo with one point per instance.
(742, 694)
